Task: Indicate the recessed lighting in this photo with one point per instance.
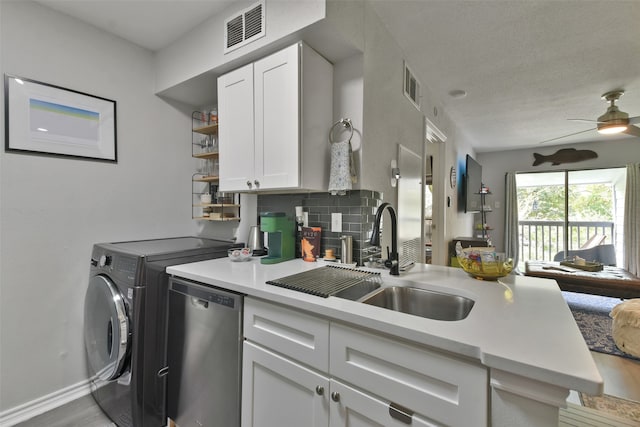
(457, 93)
(19, 81)
(42, 130)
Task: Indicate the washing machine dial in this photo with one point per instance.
(104, 261)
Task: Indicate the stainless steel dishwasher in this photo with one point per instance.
(204, 355)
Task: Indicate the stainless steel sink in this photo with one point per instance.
(421, 302)
(359, 290)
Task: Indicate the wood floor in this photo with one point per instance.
(579, 416)
(621, 375)
(621, 379)
(83, 412)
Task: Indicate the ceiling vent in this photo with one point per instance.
(244, 27)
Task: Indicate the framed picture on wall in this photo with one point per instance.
(50, 120)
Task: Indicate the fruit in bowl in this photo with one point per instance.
(484, 263)
(239, 254)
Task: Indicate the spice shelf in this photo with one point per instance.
(223, 207)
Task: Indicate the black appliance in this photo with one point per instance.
(125, 320)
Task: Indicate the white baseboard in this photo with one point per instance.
(43, 404)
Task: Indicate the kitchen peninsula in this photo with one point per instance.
(512, 361)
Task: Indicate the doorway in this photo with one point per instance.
(428, 209)
(410, 206)
(434, 207)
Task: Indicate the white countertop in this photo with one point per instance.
(518, 324)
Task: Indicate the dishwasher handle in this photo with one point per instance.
(202, 296)
(199, 303)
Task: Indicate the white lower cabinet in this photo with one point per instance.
(278, 392)
(369, 380)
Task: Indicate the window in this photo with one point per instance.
(562, 211)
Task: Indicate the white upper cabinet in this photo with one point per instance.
(235, 104)
(275, 115)
(277, 120)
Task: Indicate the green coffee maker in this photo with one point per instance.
(281, 237)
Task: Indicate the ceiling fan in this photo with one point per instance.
(613, 121)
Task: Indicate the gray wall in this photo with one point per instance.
(496, 164)
(389, 118)
(54, 209)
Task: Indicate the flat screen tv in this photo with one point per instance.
(472, 186)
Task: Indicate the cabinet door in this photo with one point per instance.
(277, 119)
(236, 139)
(277, 392)
(353, 408)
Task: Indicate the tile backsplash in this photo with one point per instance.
(358, 209)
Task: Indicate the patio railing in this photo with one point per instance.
(541, 240)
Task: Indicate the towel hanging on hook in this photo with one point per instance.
(343, 173)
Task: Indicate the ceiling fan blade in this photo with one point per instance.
(584, 120)
(566, 136)
(633, 131)
(634, 120)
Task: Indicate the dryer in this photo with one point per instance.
(125, 317)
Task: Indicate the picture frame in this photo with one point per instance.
(44, 119)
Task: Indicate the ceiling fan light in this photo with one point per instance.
(611, 129)
(613, 121)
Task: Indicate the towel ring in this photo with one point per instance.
(344, 122)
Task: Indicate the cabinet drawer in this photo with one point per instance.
(298, 335)
(440, 388)
(350, 407)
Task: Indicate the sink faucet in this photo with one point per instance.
(392, 262)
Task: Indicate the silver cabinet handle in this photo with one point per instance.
(335, 396)
(400, 413)
(320, 390)
(249, 184)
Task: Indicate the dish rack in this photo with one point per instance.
(325, 281)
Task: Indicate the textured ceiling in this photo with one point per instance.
(526, 65)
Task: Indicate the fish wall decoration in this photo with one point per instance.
(565, 155)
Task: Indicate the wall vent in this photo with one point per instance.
(411, 87)
(248, 25)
